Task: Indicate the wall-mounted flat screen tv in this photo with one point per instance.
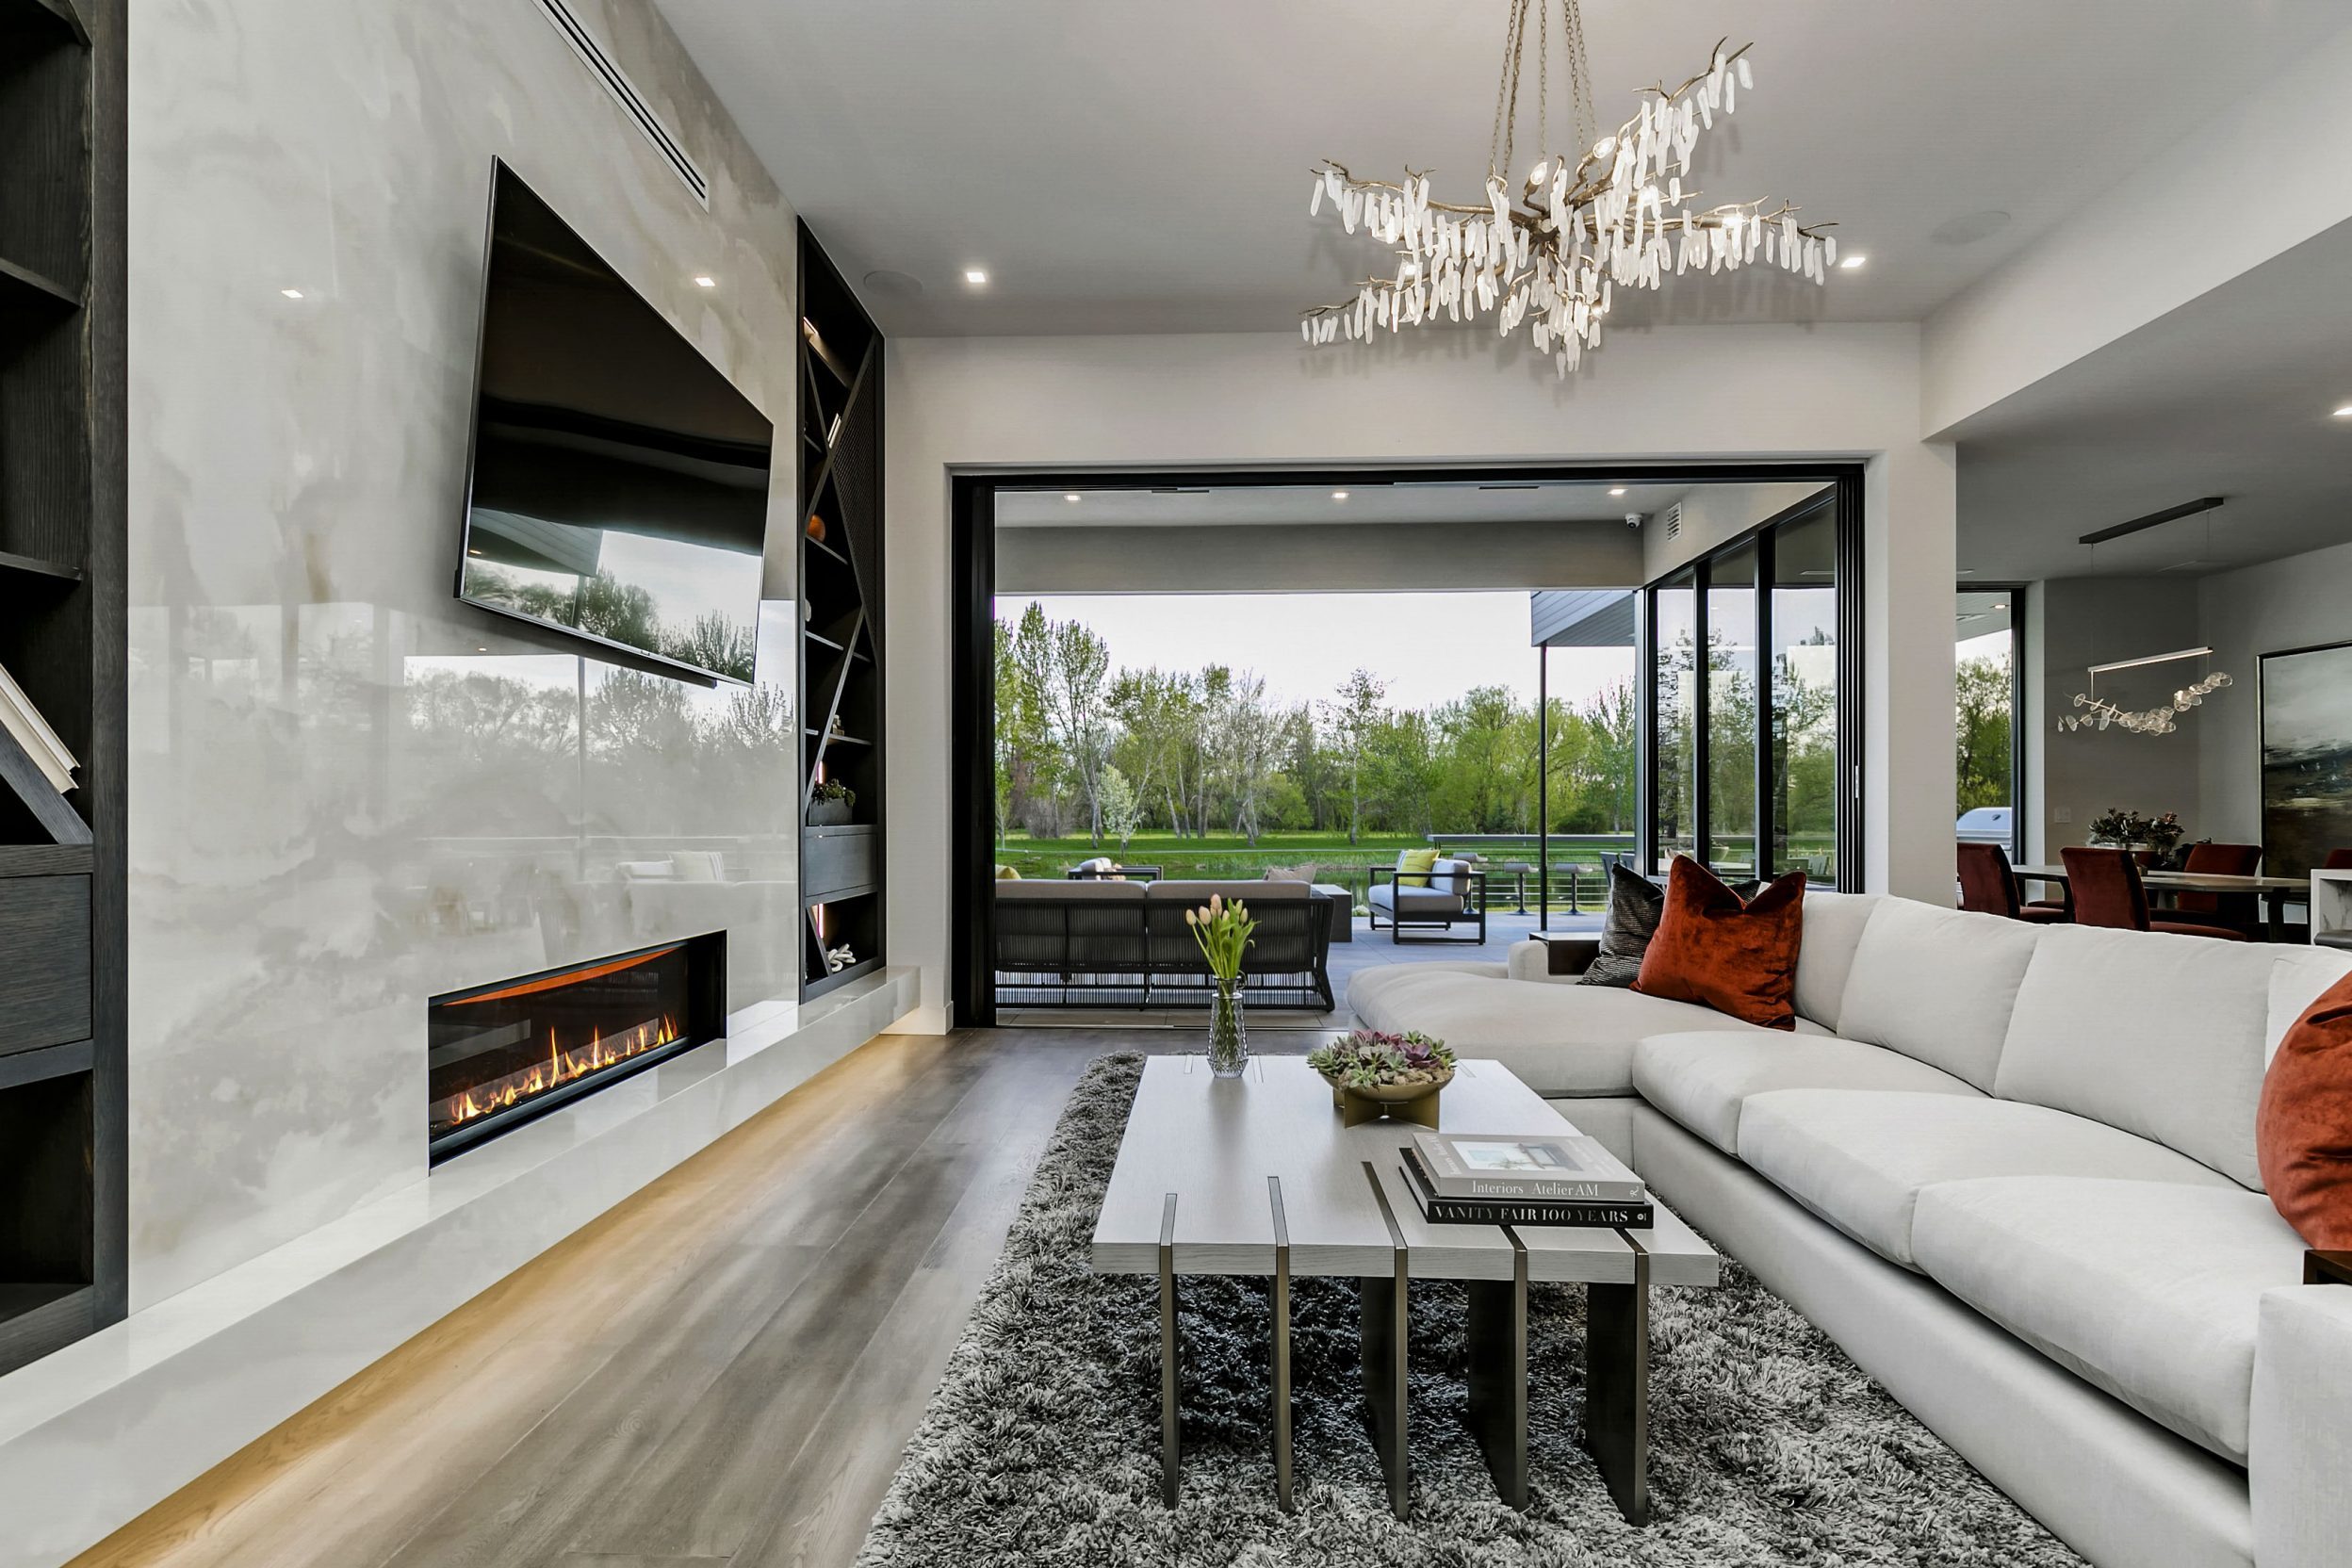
(619, 486)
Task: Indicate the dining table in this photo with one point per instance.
(2274, 892)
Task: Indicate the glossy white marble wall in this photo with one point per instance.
(348, 792)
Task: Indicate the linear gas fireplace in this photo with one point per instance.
(502, 1054)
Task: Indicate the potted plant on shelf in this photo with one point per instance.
(829, 804)
(1222, 929)
(1374, 1074)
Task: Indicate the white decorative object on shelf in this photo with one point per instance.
(839, 959)
(1552, 254)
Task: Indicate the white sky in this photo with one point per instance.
(1428, 647)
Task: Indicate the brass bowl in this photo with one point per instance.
(1414, 1103)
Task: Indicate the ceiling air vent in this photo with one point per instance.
(606, 70)
(1672, 518)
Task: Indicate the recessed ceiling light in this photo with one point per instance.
(1848, 263)
(2346, 411)
(975, 275)
(292, 293)
(482, 648)
(703, 280)
(1617, 490)
(1339, 495)
(2003, 605)
(1071, 497)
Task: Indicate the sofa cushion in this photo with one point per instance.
(1937, 985)
(1860, 1158)
(1450, 877)
(1713, 948)
(1560, 1040)
(1413, 867)
(1201, 892)
(1700, 1079)
(1834, 922)
(2295, 981)
(1388, 898)
(2159, 1034)
(2148, 1290)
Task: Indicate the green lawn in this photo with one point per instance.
(1335, 860)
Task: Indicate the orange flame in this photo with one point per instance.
(562, 1067)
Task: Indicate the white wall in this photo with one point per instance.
(2125, 258)
(347, 793)
(2295, 603)
(1730, 393)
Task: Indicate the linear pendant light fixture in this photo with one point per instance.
(1606, 214)
(2160, 720)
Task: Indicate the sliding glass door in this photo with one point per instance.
(1752, 699)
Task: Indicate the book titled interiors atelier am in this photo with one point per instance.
(1518, 1211)
(1566, 1167)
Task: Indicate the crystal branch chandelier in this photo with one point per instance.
(1618, 215)
(2100, 714)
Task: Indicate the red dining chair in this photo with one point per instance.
(2108, 891)
(2238, 911)
(1988, 887)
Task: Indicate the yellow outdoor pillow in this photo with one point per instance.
(1413, 867)
(1007, 873)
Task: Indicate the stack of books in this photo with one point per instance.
(24, 720)
(1473, 1179)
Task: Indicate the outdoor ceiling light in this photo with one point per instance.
(974, 275)
(1580, 225)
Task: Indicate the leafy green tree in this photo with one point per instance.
(1351, 718)
(1982, 732)
(1119, 814)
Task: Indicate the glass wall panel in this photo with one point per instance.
(1805, 696)
(1984, 665)
(1675, 628)
(1731, 720)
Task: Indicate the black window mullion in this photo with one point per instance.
(1645, 727)
(1702, 829)
(1767, 850)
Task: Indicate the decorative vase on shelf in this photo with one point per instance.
(1229, 1037)
(828, 813)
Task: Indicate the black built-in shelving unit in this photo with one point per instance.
(63, 1216)
(840, 619)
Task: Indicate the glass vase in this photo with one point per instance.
(1228, 1040)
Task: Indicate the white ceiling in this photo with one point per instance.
(1365, 503)
(1120, 166)
(2232, 395)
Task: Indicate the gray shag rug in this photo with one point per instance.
(1042, 1446)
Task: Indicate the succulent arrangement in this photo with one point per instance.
(833, 789)
(1372, 1059)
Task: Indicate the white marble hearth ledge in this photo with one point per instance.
(97, 1433)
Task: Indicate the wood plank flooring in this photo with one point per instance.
(720, 1373)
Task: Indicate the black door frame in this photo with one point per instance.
(971, 594)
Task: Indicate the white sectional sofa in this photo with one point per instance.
(2011, 1168)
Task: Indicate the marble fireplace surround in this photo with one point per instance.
(103, 1430)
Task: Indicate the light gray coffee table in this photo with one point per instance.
(1256, 1176)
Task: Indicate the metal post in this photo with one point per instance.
(1542, 787)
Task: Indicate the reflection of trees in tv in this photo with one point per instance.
(621, 613)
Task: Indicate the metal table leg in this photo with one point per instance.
(1171, 1459)
(1383, 1327)
(1498, 1375)
(1283, 1494)
(1617, 1385)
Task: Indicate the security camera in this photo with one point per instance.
(1633, 519)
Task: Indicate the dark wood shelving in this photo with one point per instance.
(31, 565)
(841, 595)
(63, 632)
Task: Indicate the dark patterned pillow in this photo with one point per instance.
(1635, 903)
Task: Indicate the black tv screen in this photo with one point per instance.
(619, 487)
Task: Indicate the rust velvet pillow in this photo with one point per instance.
(1736, 957)
(2303, 1131)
